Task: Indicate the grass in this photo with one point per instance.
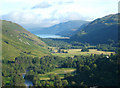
(57, 71)
(73, 52)
(17, 41)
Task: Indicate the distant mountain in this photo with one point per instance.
(64, 29)
(81, 27)
(17, 41)
(101, 30)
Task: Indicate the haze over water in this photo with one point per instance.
(48, 36)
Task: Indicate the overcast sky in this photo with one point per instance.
(45, 13)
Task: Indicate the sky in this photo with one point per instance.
(45, 13)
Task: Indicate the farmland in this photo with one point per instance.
(73, 52)
(57, 71)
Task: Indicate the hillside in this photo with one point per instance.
(17, 41)
(100, 30)
(64, 29)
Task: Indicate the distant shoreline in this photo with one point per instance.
(61, 38)
(51, 36)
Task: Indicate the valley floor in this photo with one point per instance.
(73, 52)
(58, 71)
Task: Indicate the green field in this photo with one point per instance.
(73, 52)
(57, 71)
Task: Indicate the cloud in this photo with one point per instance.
(42, 5)
(30, 19)
(45, 13)
(44, 18)
(46, 4)
(65, 2)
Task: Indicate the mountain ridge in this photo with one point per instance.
(100, 30)
(60, 29)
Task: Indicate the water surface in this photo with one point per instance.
(27, 82)
(48, 36)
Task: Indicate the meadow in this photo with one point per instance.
(58, 71)
(73, 52)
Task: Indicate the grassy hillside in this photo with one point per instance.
(18, 41)
(100, 30)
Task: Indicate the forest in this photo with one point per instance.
(68, 44)
(99, 70)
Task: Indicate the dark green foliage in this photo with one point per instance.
(11, 76)
(98, 31)
(91, 70)
(12, 71)
(67, 44)
(59, 51)
(65, 82)
(6, 42)
(55, 43)
(107, 47)
(111, 47)
(96, 70)
(57, 82)
(85, 50)
(51, 76)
